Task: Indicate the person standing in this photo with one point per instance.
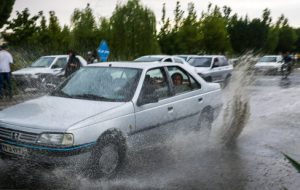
(72, 65)
(5, 73)
(91, 58)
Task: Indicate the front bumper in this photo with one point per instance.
(48, 155)
(267, 70)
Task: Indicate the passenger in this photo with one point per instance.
(179, 87)
(177, 79)
(72, 65)
(5, 72)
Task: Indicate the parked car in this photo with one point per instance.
(184, 57)
(45, 69)
(213, 68)
(88, 118)
(161, 58)
(269, 64)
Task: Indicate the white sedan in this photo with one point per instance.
(269, 64)
(88, 118)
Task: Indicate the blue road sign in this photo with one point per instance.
(103, 51)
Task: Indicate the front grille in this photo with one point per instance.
(18, 135)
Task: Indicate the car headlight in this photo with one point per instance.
(58, 139)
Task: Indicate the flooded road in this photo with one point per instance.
(185, 161)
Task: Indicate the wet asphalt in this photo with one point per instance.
(191, 161)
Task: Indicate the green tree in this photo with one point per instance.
(287, 39)
(189, 35)
(133, 31)
(297, 44)
(6, 7)
(23, 27)
(84, 29)
(213, 28)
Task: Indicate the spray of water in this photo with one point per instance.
(236, 110)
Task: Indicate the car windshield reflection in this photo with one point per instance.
(101, 83)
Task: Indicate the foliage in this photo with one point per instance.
(84, 30)
(5, 10)
(23, 27)
(133, 31)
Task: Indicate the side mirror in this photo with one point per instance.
(147, 99)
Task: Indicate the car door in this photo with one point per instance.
(225, 68)
(58, 67)
(216, 70)
(187, 99)
(158, 113)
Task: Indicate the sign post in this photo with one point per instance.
(103, 51)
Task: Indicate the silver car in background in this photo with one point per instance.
(269, 64)
(213, 68)
(43, 70)
(89, 118)
(162, 58)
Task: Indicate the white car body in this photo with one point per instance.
(31, 76)
(22, 125)
(269, 63)
(211, 72)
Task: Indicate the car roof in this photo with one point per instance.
(206, 56)
(159, 56)
(272, 56)
(58, 56)
(132, 64)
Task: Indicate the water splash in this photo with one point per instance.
(236, 110)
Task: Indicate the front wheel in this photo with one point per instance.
(108, 156)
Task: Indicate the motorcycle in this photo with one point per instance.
(285, 70)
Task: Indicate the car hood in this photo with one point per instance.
(202, 69)
(31, 71)
(50, 113)
(267, 64)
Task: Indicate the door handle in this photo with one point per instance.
(200, 99)
(170, 108)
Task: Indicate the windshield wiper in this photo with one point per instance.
(61, 94)
(92, 97)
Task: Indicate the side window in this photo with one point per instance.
(60, 63)
(155, 83)
(223, 61)
(168, 60)
(182, 81)
(216, 62)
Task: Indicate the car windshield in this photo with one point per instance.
(200, 61)
(101, 83)
(43, 62)
(148, 59)
(268, 59)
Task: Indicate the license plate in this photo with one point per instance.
(14, 149)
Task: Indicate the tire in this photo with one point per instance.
(108, 155)
(205, 120)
